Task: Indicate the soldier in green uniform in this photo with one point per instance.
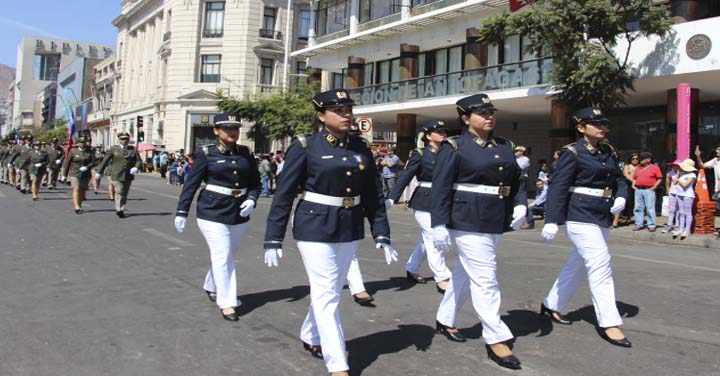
(82, 159)
(22, 164)
(124, 162)
(12, 153)
(56, 155)
(3, 165)
(38, 167)
(99, 156)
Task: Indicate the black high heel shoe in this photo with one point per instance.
(510, 361)
(233, 316)
(453, 336)
(315, 351)
(365, 302)
(211, 295)
(617, 342)
(415, 278)
(556, 316)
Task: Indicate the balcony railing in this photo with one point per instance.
(266, 89)
(270, 34)
(497, 77)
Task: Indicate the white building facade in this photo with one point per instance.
(174, 55)
(407, 64)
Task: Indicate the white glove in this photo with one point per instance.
(98, 176)
(63, 179)
(272, 256)
(391, 254)
(58, 161)
(180, 224)
(246, 208)
(549, 231)
(38, 164)
(519, 213)
(83, 169)
(133, 171)
(618, 205)
(441, 238)
(389, 203)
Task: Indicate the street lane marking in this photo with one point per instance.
(167, 237)
(157, 193)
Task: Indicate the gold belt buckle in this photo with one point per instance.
(348, 202)
(505, 191)
(607, 193)
(237, 193)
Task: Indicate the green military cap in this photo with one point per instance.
(123, 135)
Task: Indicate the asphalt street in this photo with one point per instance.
(94, 295)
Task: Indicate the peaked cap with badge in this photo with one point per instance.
(123, 135)
(434, 126)
(589, 115)
(227, 120)
(477, 102)
(332, 98)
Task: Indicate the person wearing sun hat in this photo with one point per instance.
(685, 194)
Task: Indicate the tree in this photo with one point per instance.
(581, 35)
(284, 114)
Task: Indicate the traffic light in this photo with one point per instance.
(140, 131)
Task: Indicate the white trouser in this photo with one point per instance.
(425, 249)
(474, 275)
(590, 256)
(223, 240)
(354, 277)
(327, 266)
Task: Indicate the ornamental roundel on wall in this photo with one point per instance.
(698, 46)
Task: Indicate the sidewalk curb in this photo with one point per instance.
(702, 241)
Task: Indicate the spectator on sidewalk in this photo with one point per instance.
(391, 166)
(671, 179)
(163, 165)
(628, 171)
(685, 192)
(713, 163)
(646, 178)
(538, 206)
(544, 173)
(265, 170)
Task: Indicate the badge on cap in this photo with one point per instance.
(441, 123)
(597, 111)
(341, 95)
(486, 100)
(232, 118)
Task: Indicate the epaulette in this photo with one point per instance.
(206, 149)
(572, 148)
(419, 151)
(452, 142)
(302, 140)
(512, 144)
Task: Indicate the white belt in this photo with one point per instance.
(226, 191)
(480, 188)
(425, 184)
(344, 202)
(597, 192)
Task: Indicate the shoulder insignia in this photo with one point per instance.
(452, 143)
(206, 150)
(606, 147)
(503, 139)
(572, 148)
(419, 151)
(302, 140)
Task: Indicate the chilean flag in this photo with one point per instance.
(515, 5)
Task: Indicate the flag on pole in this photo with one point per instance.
(516, 5)
(71, 128)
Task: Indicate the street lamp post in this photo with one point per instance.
(288, 38)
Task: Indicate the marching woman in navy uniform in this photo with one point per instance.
(587, 190)
(476, 197)
(340, 183)
(223, 207)
(421, 165)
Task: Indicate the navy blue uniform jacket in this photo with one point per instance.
(490, 162)
(420, 166)
(591, 168)
(332, 167)
(232, 168)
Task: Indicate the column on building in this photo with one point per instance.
(355, 72)
(354, 16)
(476, 53)
(562, 131)
(671, 120)
(684, 10)
(407, 123)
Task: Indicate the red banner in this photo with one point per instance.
(515, 5)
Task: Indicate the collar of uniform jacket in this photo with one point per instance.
(591, 149)
(226, 150)
(334, 141)
(484, 143)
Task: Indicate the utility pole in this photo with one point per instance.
(288, 39)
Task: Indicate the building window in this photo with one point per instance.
(269, 16)
(266, 71)
(417, 3)
(338, 81)
(388, 71)
(374, 9)
(305, 24)
(368, 81)
(210, 71)
(214, 19)
(300, 72)
(47, 67)
(333, 16)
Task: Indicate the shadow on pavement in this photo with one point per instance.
(251, 302)
(523, 322)
(53, 198)
(587, 313)
(161, 214)
(397, 283)
(366, 350)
